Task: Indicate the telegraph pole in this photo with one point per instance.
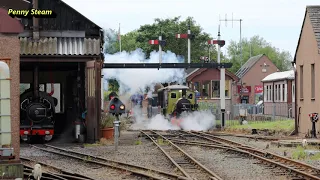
(239, 20)
(220, 44)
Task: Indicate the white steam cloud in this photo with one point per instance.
(137, 80)
(196, 121)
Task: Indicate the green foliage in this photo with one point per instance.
(315, 157)
(113, 86)
(257, 45)
(107, 120)
(169, 28)
(287, 125)
(110, 38)
(299, 153)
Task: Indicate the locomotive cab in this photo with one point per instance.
(176, 99)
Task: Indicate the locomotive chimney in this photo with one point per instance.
(36, 81)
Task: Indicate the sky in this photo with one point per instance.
(277, 21)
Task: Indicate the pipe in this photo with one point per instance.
(36, 81)
(296, 124)
(290, 112)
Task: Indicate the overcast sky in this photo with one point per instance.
(278, 21)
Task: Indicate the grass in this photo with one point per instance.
(286, 125)
(138, 142)
(102, 142)
(300, 154)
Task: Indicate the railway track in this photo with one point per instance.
(64, 175)
(187, 165)
(295, 168)
(133, 169)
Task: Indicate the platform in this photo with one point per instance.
(295, 142)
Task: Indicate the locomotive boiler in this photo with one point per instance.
(37, 112)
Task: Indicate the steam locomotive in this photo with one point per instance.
(173, 101)
(37, 112)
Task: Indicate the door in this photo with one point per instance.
(93, 99)
(245, 100)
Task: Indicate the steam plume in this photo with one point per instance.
(137, 80)
(197, 121)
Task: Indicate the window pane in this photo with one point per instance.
(215, 89)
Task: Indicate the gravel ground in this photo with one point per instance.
(230, 166)
(133, 150)
(261, 144)
(71, 165)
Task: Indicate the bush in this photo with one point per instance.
(107, 120)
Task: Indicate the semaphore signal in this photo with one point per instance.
(188, 36)
(159, 42)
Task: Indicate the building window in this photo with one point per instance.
(283, 93)
(267, 93)
(293, 92)
(276, 92)
(216, 89)
(312, 82)
(205, 89)
(301, 82)
(279, 92)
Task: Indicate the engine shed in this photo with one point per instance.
(62, 57)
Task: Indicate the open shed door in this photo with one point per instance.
(93, 99)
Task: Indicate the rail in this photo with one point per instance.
(178, 163)
(293, 166)
(63, 174)
(134, 169)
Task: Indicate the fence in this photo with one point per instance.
(255, 113)
(267, 110)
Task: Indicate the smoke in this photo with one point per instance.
(137, 80)
(197, 121)
(134, 81)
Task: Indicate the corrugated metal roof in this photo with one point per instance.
(279, 76)
(60, 46)
(314, 15)
(247, 66)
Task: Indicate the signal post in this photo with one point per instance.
(220, 44)
(116, 108)
(161, 43)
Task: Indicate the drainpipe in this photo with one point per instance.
(296, 125)
(35, 27)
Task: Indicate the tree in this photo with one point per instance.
(254, 46)
(169, 28)
(110, 39)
